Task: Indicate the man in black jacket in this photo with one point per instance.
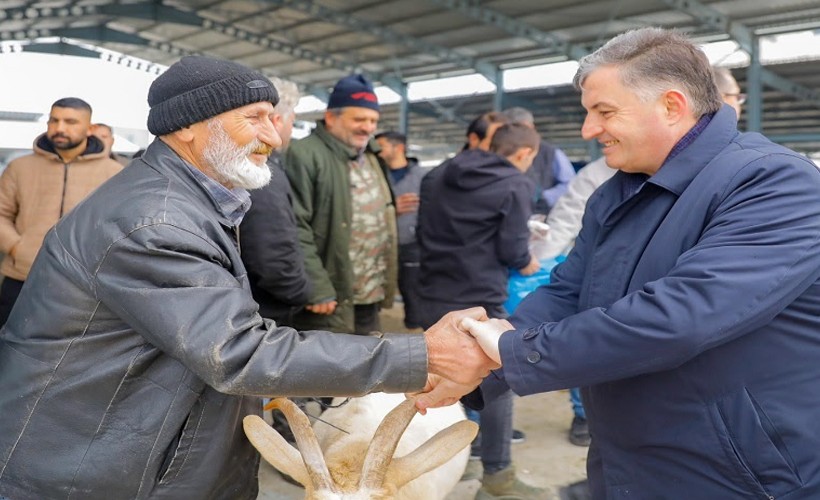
(268, 234)
(472, 229)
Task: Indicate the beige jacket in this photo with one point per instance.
(37, 190)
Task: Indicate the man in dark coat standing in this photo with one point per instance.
(689, 309)
(268, 234)
(472, 230)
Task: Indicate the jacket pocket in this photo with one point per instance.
(178, 449)
(752, 446)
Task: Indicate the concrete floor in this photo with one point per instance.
(545, 459)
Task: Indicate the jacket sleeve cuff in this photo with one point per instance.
(410, 372)
(492, 387)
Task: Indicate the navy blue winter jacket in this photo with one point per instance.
(690, 311)
(472, 228)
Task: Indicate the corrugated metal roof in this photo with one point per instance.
(315, 43)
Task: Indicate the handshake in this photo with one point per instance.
(462, 349)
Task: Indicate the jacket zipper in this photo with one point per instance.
(65, 184)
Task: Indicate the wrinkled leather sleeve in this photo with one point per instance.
(175, 288)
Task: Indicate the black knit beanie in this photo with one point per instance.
(353, 90)
(197, 88)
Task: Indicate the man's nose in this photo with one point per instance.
(269, 135)
(590, 129)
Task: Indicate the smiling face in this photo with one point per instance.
(352, 125)
(636, 136)
(233, 147)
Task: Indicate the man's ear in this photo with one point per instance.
(184, 134)
(676, 104)
(523, 153)
(521, 158)
(330, 117)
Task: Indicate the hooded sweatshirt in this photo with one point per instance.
(37, 190)
(472, 228)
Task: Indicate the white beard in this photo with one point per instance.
(230, 161)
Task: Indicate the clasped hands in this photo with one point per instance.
(462, 349)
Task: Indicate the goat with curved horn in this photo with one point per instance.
(381, 449)
(434, 447)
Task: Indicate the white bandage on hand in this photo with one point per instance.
(487, 334)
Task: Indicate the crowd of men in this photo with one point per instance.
(147, 309)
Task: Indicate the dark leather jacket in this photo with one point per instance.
(135, 350)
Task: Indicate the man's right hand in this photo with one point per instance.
(488, 334)
(453, 353)
(406, 203)
(324, 308)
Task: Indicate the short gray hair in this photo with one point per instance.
(518, 114)
(724, 80)
(653, 60)
(288, 96)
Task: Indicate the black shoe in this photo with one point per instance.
(579, 432)
(518, 437)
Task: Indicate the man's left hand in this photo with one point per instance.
(439, 392)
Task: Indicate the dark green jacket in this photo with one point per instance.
(317, 167)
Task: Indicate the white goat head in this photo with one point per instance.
(381, 475)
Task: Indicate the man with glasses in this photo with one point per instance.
(728, 88)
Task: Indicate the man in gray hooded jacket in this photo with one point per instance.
(136, 349)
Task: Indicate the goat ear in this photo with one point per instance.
(273, 447)
(436, 451)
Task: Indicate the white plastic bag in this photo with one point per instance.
(538, 239)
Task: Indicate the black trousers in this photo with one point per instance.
(409, 267)
(9, 291)
(496, 417)
(366, 319)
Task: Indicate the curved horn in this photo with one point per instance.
(307, 443)
(384, 443)
(434, 452)
(273, 448)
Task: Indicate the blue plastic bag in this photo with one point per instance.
(520, 286)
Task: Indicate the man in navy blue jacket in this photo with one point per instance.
(689, 309)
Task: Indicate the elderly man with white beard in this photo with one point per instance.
(136, 347)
